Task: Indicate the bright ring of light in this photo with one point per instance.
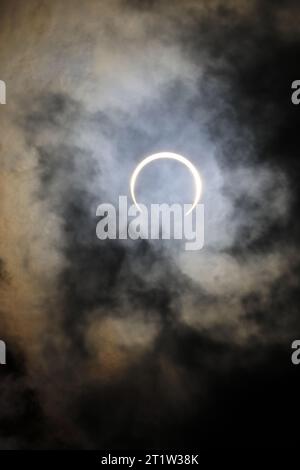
(172, 156)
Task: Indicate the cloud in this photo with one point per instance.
(129, 343)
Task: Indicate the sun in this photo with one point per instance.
(171, 156)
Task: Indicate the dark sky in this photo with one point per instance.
(121, 344)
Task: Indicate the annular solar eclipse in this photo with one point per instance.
(171, 156)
